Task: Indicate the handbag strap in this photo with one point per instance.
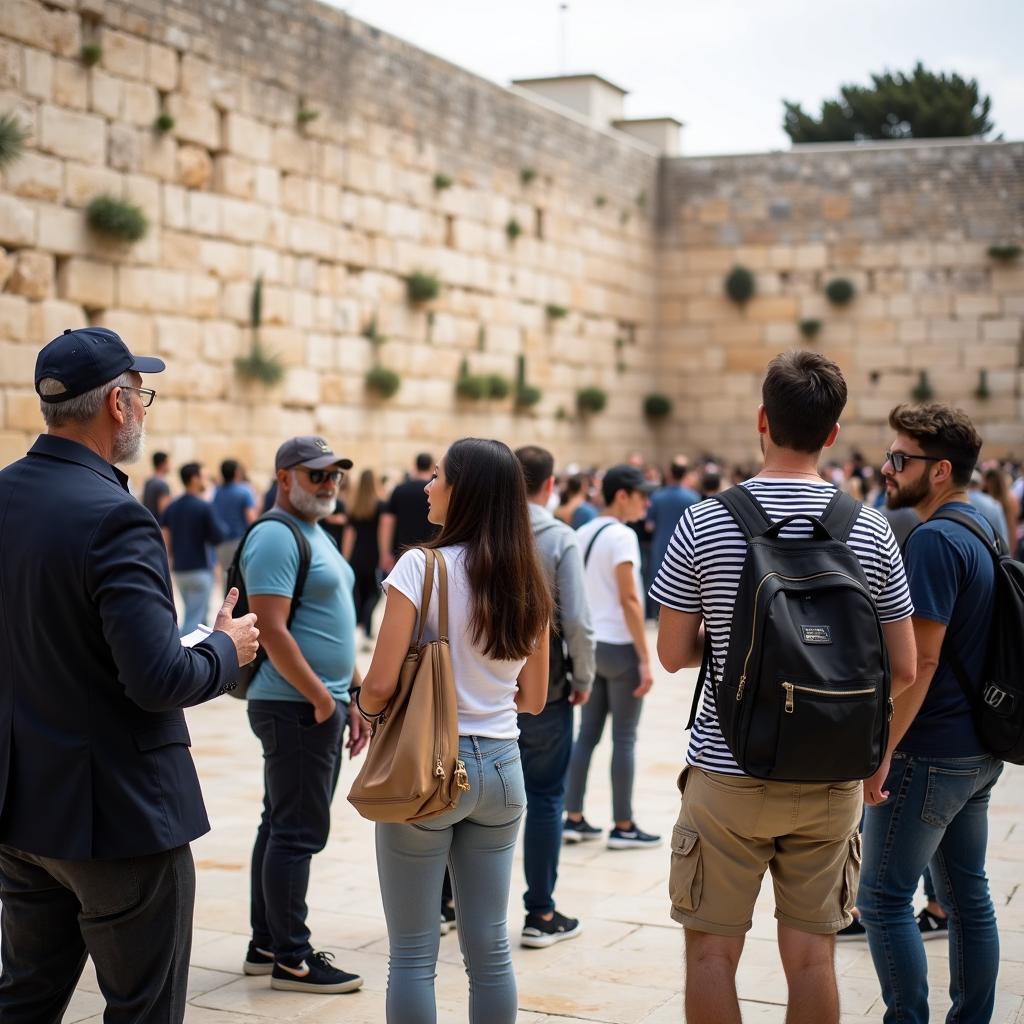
(428, 587)
(442, 607)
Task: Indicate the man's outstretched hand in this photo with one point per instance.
(243, 632)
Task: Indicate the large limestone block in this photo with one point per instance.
(35, 176)
(38, 74)
(17, 222)
(14, 316)
(32, 275)
(149, 289)
(161, 66)
(63, 231)
(178, 338)
(71, 84)
(85, 182)
(86, 282)
(234, 176)
(195, 120)
(159, 156)
(205, 213)
(246, 137)
(51, 317)
(72, 135)
(11, 76)
(105, 93)
(124, 147)
(179, 250)
(22, 411)
(135, 328)
(301, 387)
(1005, 329)
(31, 23)
(123, 54)
(6, 267)
(140, 104)
(203, 296)
(195, 168)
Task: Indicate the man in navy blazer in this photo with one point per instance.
(99, 797)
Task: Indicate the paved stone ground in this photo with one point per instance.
(626, 966)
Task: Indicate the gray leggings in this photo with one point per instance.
(618, 675)
(477, 840)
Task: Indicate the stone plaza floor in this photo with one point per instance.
(626, 966)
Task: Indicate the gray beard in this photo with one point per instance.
(309, 505)
(130, 442)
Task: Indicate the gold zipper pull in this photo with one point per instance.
(461, 776)
(790, 705)
(739, 689)
(439, 769)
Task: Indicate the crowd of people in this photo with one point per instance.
(551, 576)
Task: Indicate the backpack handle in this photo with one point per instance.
(820, 530)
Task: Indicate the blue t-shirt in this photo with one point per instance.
(194, 526)
(952, 581)
(231, 501)
(325, 623)
(583, 515)
(665, 511)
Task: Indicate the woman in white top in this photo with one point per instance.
(499, 607)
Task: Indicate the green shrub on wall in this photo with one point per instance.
(258, 365)
(922, 391)
(810, 328)
(739, 285)
(12, 139)
(116, 218)
(839, 291)
(555, 312)
(382, 381)
(657, 407)
(513, 229)
(1005, 253)
(422, 287)
(591, 400)
(90, 54)
(442, 181)
(982, 392)
(163, 123)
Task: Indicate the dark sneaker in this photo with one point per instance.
(538, 933)
(931, 926)
(257, 960)
(447, 918)
(314, 974)
(630, 838)
(853, 932)
(579, 831)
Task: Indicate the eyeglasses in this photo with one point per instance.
(318, 476)
(146, 395)
(899, 459)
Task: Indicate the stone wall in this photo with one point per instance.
(908, 224)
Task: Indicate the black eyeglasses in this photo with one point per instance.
(318, 476)
(146, 395)
(899, 459)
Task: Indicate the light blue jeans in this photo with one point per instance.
(195, 586)
(936, 817)
(476, 840)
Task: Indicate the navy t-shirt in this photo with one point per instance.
(231, 502)
(194, 526)
(952, 581)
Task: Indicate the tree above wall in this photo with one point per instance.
(916, 105)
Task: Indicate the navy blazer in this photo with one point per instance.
(94, 758)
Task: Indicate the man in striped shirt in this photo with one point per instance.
(732, 828)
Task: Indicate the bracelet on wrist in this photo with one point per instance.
(370, 716)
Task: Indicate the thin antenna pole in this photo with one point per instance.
(563, 10)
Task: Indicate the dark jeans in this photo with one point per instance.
(301, 762)
(545, 743)
(133, 916)
(366, 594)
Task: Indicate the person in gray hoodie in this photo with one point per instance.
(545, 740)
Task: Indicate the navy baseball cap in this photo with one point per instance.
(624, 478)
(85, 358)
(309, 451)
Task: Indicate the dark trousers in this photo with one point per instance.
(366, 594)
(301, 762)
(545, 744)
(133, 916)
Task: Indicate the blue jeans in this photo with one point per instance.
(195, 586)
(936, 817)
(301, 763)
(477, 840)
(545, 743)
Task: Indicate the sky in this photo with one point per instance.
(722, 67)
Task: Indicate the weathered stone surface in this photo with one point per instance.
(17, 222)
(194, 167)
(32, 275)
(73, 136)
(35, 176)
(88, 283)
(123, 54)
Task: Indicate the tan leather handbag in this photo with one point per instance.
(412, 770)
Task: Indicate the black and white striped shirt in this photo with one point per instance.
(701, 574)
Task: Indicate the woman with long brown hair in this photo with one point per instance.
(499, 610)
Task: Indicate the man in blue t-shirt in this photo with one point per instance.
(928, 803)
(235, 505)
(299, 707)
(191, 528)
(666, 509)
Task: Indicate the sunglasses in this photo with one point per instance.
(899, 459)
(318, 476)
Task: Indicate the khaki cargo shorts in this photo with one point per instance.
(733, 828)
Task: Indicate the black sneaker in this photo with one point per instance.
(579, 831)
(932, 926)
(853, 932)
(314, 974)
(630, 838)
(447, 918)
(257, 960)
(538, 933)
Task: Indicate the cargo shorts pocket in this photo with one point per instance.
(851, 876)
(686, 875)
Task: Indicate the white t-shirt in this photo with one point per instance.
(485, 688)
(617, 544)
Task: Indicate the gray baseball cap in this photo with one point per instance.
(309, 451)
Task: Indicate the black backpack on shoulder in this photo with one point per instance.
(805, 692)
(998, 704)
(234, 578)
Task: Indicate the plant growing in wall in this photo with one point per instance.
(600, 201)
(526, 395)
(372, 334)
(441, 182)
(382, 382)
(641, 200)
(810, 328)
(840, 292)
(12, 139)
(1005, 253)
(555, 312)
(259, 365)
(470, 386)
(305, 115)
(498, 386)
(481, 338)
(116, 218)
(982, 392)
(739, 285)
(527, 175)
(422, 287)
(90, 54)
(591, 400)
(513, 229)
(163, 123)
(657, 407)
(922, 390)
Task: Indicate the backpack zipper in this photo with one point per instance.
(790, 689)
(757, 594)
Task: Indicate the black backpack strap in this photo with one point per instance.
(840, 515)
(706, 668)
(593, 541)
(750, 517)
(996, 547)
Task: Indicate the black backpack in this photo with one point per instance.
(805, 692)
(998, 704)
(234, 578)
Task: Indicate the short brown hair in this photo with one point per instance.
(804, 395)
(538, 467)
(942, 432)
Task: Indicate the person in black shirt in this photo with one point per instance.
(404, 522)
(156, 495)
(360, 548)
